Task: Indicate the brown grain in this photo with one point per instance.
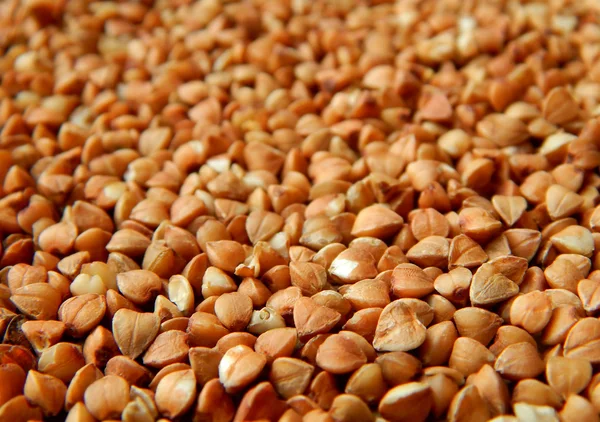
(305, 210)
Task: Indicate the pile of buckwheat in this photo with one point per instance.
(299, 210)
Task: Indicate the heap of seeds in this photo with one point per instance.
(300, 210)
